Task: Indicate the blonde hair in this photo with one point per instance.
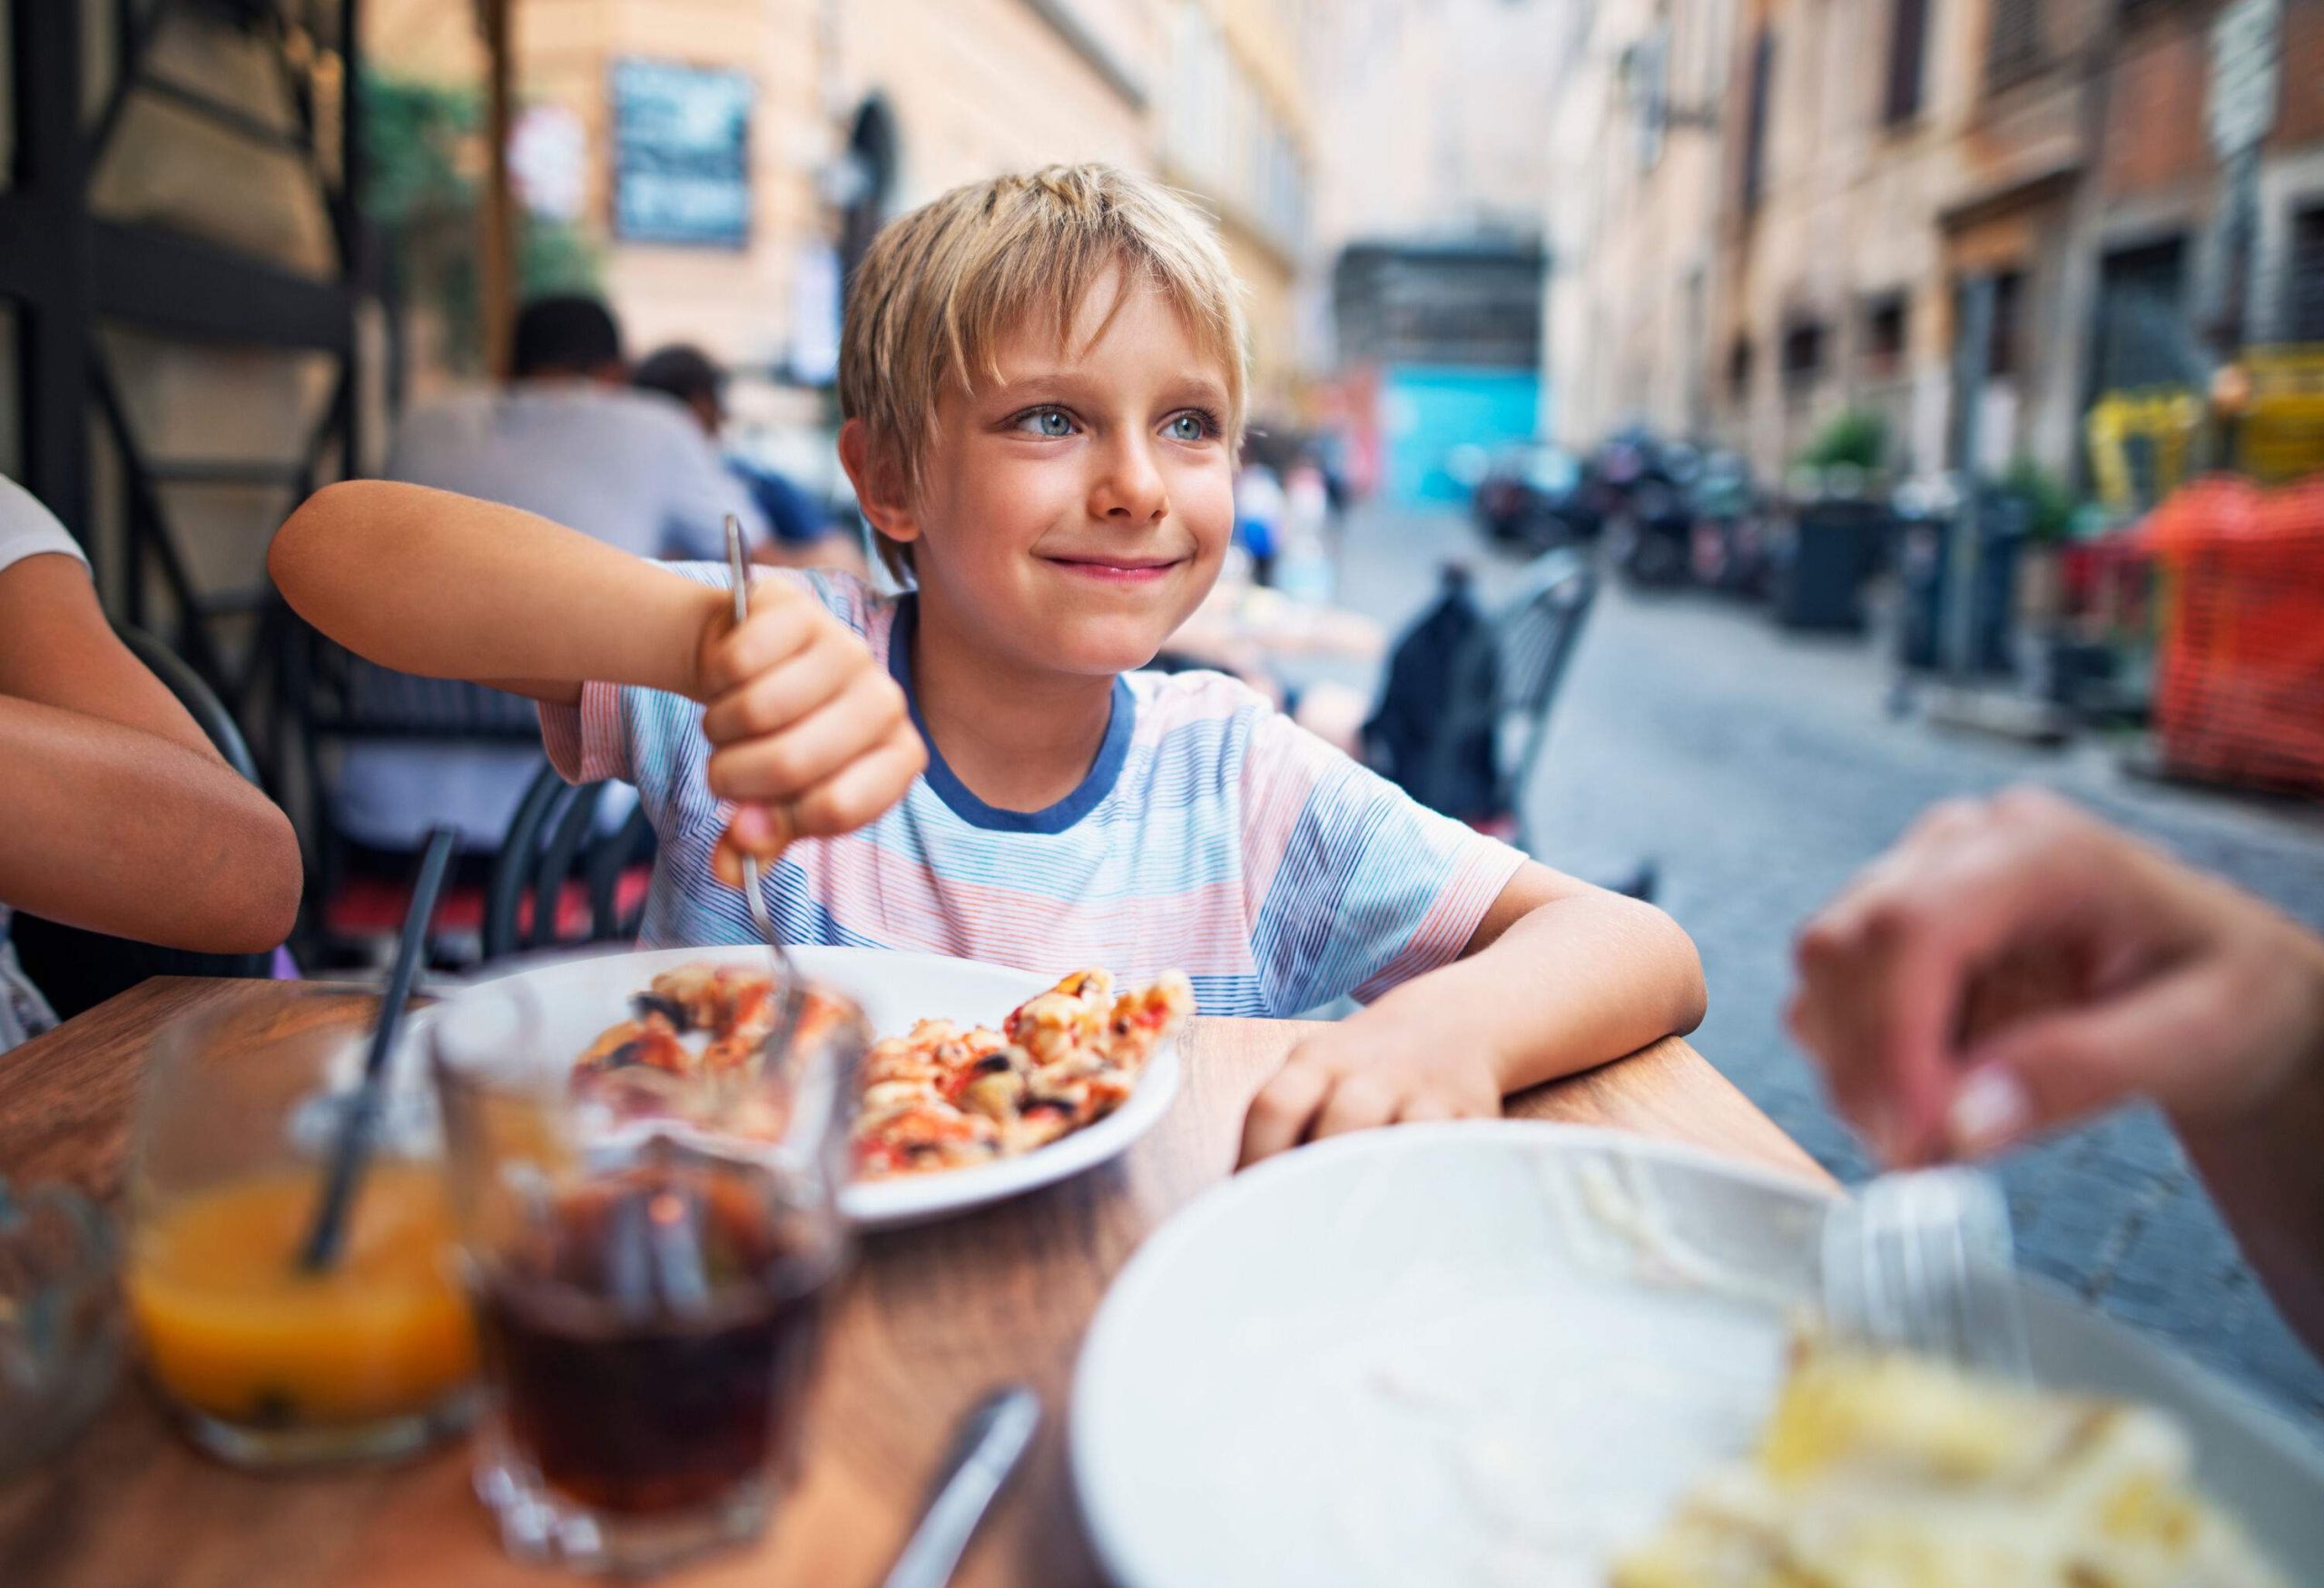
(942, 287)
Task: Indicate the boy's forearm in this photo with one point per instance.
(448, 587)
(1570, 984)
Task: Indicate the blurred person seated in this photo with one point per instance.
(2014, 965)
(1403, 739)
(805, 536)
(570, 440)
(117, 815)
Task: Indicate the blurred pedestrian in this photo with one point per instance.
(805, 534)
(117, 815)
(2014, 965)
(1306, 552)
(1259, 517)
(569, 440)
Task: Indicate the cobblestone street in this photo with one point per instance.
(1758, 771)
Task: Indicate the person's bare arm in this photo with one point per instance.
(125, 820)
(810, 736)
(1558, 976)
(448, 587)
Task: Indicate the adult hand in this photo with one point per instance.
(2014, 964)
(810, 736)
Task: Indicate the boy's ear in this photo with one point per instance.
(878, 477)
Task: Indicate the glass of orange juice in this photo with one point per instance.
(264, 1365)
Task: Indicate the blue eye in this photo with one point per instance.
(1045, 421)
(1190, 426)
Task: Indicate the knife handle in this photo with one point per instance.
(993, 1438)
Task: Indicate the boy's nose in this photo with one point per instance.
(1130, 489)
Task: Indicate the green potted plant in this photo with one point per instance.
(2047, 509)
(1847, 452)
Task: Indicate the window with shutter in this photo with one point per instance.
(1738, 369)
(2013, 44)
(2143, 338)
(1754, 120)
(1907, 47)
(2307, 283)
(1884, 330)
(1803, 355)
(2004, 353)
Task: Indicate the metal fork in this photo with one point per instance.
(1924, 1262)
(794, 994)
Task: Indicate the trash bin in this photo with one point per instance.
(1822, 558)
(1924, 572)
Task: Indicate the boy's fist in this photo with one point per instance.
(809, 735)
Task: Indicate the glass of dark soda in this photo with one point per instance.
(649, 1266)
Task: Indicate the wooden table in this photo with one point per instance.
(932, 1318)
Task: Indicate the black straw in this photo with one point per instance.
(348, 1154)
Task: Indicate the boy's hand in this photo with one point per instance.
(1362, 1073)
(809, 735)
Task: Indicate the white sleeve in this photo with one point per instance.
(29, 528)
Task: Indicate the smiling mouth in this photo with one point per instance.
(1123, 570)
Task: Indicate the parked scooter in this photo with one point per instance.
(1729, 547)
(1536, 497)
(1653, 524)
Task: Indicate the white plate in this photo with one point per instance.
(582, 996)
(1429, 1355)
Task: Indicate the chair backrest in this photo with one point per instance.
(557, 880)
(77, 969)
(328, 696)
(1534, 637)
(201, 702)
(337, 694)
(1536, 632)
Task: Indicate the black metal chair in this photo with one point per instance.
(554, 841)
(201, 702)
(77, 969)
(1498, 691)
(328, 697)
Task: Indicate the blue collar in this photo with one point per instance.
(1057, 818)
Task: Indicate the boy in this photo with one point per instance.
(1043, 383)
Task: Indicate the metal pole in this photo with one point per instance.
(47, 227)
(497, 275)
(1972, 362)
(2238, 264)
(2239, 254)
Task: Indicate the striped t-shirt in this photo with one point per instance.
(1211, 835)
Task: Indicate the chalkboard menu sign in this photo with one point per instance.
(682, 144)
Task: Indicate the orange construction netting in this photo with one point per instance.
(2240, 673)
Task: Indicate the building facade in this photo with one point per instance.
(731, 158)
(1983, 220)
(1639, 97)
(1425, 296)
